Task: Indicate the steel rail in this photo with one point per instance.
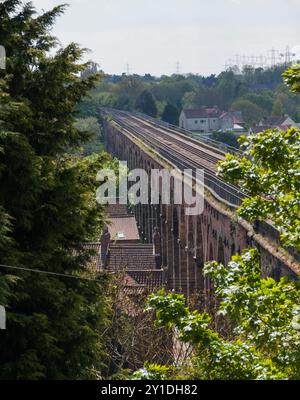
(226, 191)
(215, 144)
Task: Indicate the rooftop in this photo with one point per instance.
(203, 112)
(123, 229)
(127, 253)
(274, 121)
(117, 210)
(131, 256)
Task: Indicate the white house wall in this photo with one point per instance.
(227, 124)
(214, 124)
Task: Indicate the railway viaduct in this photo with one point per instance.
(188, 241)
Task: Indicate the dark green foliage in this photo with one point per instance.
(265, 341)
(271, 180)
(90, 125)
(47, 206)
(170, 114)
(270, 174)
(252, 113)
(256, 92)
(226, 137)
(7, 280)
(145, 103)
(292, 78)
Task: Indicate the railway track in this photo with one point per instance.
(176, 142)
(187, 153)
(182, 152)
(216, 146)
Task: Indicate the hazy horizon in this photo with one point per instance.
(152, 38)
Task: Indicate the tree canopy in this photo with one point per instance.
(264, 343)
(269, 173)
(256, 92)
(47, 205)
(145, 103)
(170, 114)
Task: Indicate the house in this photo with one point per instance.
(211, 119)
(232, 121)
(121, 249)
(203, 119)
(282, 122)
(276, 121)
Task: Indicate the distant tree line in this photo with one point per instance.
(256, 92)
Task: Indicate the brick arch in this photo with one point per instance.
(211, 252)
(156, 211)
(176, 245)
(202, 249)
(144, 223)
(175, 222)
(145, 164)
(165, 244)
(232, 249)
(199, 244)
(170, 245)
(130, 157)
(192, 266)
(151, 222)
(190, 234)
(221, 251)
(208, 227)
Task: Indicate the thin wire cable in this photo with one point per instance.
(49, 273)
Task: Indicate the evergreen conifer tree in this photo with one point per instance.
(47, 205)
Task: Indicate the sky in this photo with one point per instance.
(152, 36)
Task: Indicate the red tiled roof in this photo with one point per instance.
(152, 279)
(123, 229)
(131, 282)
(274, 120)
(224, 113)
(117, 210)
(235, 115)
(128, 253)
(261, 128)
(136, 259)
(131, 256)
(203, 112)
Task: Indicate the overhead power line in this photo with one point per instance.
(49, 273)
